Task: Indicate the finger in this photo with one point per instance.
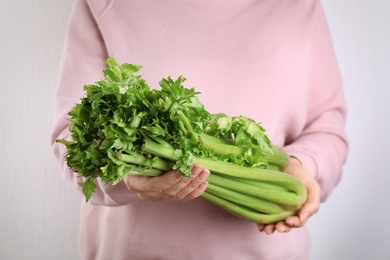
(160, 183)
(293, 221)
(311, 206)
(184, 185)
(300, 220)
(197, 192)
(172, 190)
(149, 188)
(152, 196)
(282, 227)
(261, 227)
(193, 188)
(269, 229)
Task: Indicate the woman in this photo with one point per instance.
(269, 60)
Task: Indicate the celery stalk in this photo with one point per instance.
(234, 170)
(254, 203)
(246, 213)
(287, 198)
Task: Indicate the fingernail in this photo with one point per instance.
(305, 216)
(178, 176)
(196, 170)
(203, 186)
(260, 227)
(290, 222)
(204, 175)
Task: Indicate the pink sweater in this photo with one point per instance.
(269, 60)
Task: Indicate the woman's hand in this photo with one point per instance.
(311, 206)
(169, 186)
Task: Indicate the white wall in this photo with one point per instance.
(354, 223)
(39, 212)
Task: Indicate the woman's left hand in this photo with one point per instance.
(312, 205)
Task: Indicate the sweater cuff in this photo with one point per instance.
(306, 159)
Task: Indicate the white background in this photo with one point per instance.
(39, 212)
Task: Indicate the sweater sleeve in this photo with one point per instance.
(82, 63)
(322, 145)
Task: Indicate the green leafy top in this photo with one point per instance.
(118, 112)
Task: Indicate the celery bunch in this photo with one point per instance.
(123, 126)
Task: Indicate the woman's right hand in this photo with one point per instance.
(170, 185)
